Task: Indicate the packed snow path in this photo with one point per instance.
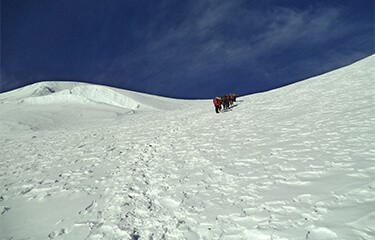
(294, 163)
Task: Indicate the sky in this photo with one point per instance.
(182, 49)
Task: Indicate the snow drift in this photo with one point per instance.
(82, 93)
(54, 105)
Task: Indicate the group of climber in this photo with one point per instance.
(224, 102)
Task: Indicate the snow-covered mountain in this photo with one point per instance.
(82, 161)
(72, 93)
(52, 105)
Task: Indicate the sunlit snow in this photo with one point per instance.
(82, 161)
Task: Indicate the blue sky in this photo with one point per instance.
(182, 49)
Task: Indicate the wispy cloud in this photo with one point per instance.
(152, 45)
(204, 31)
(213, 35)
(285, 27)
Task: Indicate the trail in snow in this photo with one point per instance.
(293, 163)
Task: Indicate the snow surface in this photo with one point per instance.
(82, 161)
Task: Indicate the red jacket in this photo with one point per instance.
(216, 102)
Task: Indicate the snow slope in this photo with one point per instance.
(52, 105)
(293, 163)
(83, 93)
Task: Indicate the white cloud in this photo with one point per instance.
(286, 27)
(202, 41)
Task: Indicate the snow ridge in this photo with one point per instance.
(82, 94)
(67, 105)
